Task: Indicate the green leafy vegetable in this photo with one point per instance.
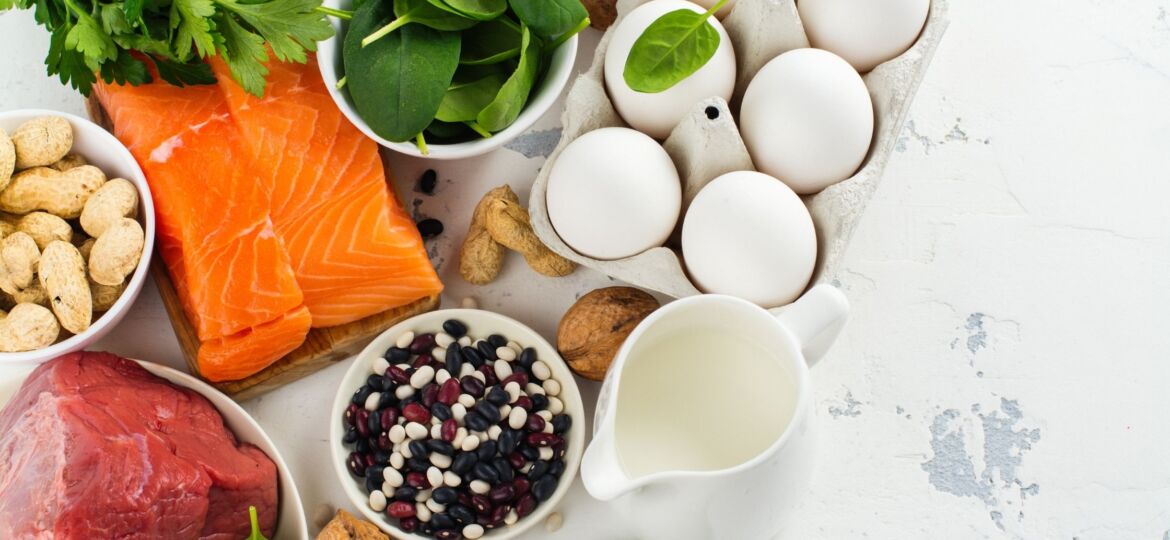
(464, 100)
(672, 48)
(397, 82)
(550, 18)
(424, 13)
(483, 10)
(506, 107)
(255, 525)
(117, 38)
(491, 42)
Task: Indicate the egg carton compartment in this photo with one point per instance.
(707, 143)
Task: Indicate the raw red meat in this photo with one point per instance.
(94, 446)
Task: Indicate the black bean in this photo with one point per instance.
(539, 469)
(455, 328)
(527, 358)
(448, 534)
(442, 521)
(461, 513)
(486, 472)
(376, 382)
(507, 441)
(362, 445)
(539, 403)
(488, 411)
(405, 493)
(396, 355)
(497, 340)
(381, 457)
(471, 354)
(376, 472)
(531, 453)
(454, 360)
(426, 184)
(445, 495)
(504, 468)
(497, 396)
(418, 464)
(441, 411)
(359, 397)
(439, 446)
(487, 450)
(471, 386)
(544, 488)
(374, 422)
(487, 351)
(388, 399)
(373, 483)
(557, 468)
(561, 423)
(351, 436)
(418, 449)
(430, 228)
(463, 462)
(356, 464)
(477, 422)
(426, 528)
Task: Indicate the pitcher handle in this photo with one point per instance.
(815, 319)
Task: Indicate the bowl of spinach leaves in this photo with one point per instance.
(449, 79)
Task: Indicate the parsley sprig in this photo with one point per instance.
(114, 39)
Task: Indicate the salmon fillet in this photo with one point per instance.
(324, 171)
(274, 213)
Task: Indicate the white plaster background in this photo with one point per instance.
(1006, 370)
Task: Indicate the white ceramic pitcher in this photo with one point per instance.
(704, 426)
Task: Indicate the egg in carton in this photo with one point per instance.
(707, 142)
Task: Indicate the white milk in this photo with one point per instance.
(700, 401)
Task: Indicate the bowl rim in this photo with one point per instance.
(227, 407)
(108, 320)
(570, 395)
(543, 96)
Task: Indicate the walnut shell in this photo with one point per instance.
(593, 330)
(601, 12)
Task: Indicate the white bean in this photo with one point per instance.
(441, 461)
(473, 531)
(552, 387)
(555, 405)
(422, 377)
(517, 418)
(480, 487)
(502, 368)
(442, 376)
(392, 476)
(458, 411)
(479, 375)
(546, 453)
(460, 434)
(532, 389)
(494, 432)
(511, 518)
(406, 451)
(397, 460)
(505, 410)
(545, 414)
(444, 340)
(506, 354)
(434, 476)
(435, 506)
(439, 354)
(466, 369)
(515, 347)
(465, 341)
(466, 400)
(451, 479)
(469, 444)
(404, 340)
(541, 370)
(397, 434)
(422, 512)
(404, 391)
(416, 431)
(513, 390)
(554, 522)
(381, 365)
(436, 430)
(377, 501)
(548, 427)
(372, 401)
(422, 495)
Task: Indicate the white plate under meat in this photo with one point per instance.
(291, 522)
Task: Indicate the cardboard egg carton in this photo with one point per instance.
(707, 143)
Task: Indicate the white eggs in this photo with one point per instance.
(613, 193)
(807, 119)
(863, 32)
(748, 235)
(658, 113)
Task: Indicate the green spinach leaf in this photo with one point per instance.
(484, 10)
(424, 13)
(550, 18)
(397, 82)
(672, 48)
(491, 42)
(464, 99)
(445, 132)
(508, 103)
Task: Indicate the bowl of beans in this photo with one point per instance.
(457, 424)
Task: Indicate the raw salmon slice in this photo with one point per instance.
(353, 248)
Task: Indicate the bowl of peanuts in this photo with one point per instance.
(76, 233)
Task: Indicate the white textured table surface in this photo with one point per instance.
(1006, 370)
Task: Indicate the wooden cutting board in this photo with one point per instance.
(322, 347)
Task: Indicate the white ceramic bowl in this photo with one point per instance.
(291, 522)
(543, 96)
(107, 153)
(480, 324)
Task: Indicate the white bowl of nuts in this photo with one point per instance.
(76, 233)
(484, 453)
